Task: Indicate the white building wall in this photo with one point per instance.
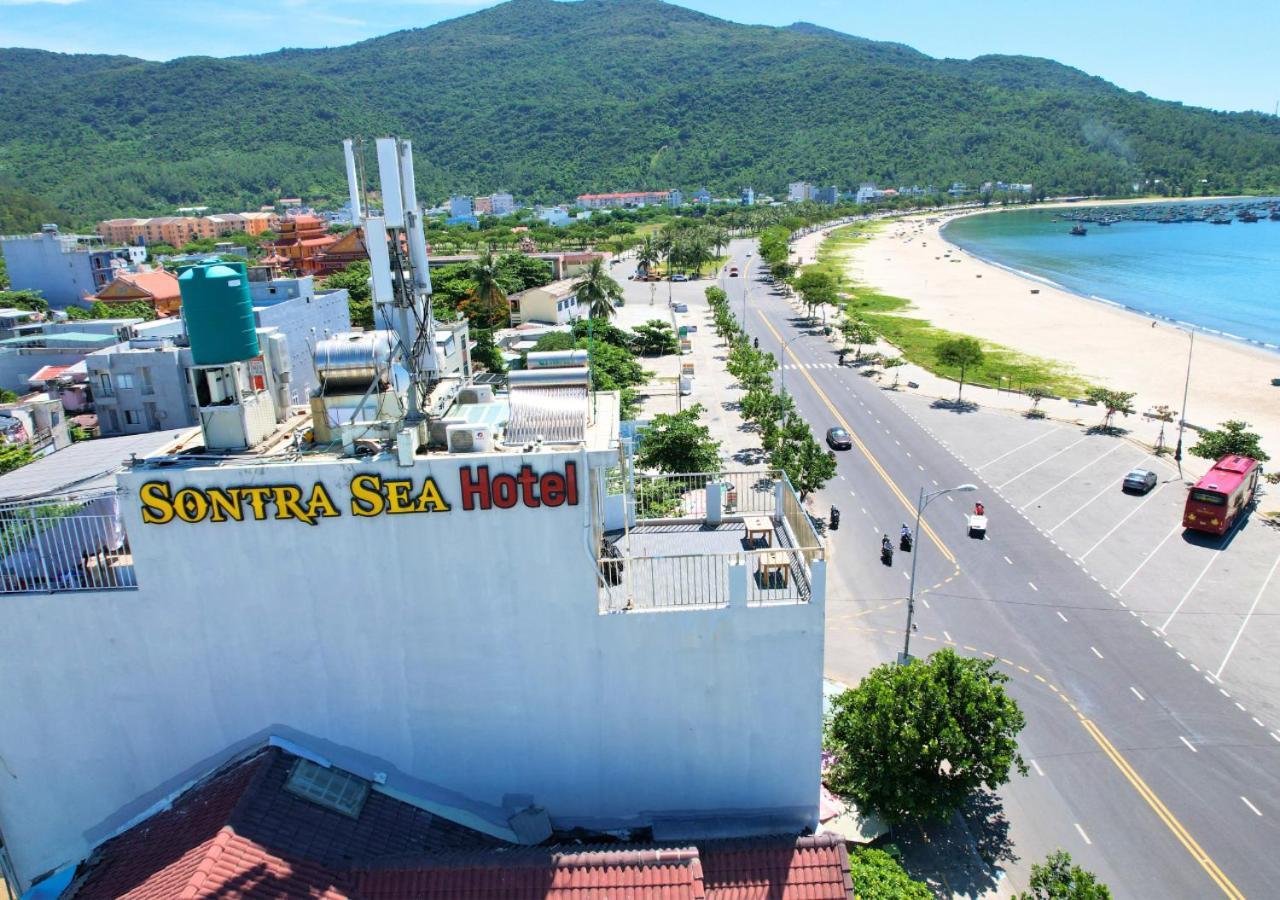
(463, 648)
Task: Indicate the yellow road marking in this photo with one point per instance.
(1162, 811)
(875, 463)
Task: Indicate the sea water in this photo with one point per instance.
(1223, 279)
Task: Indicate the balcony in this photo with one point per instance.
(67, 543)
(708, 541)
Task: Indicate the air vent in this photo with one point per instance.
(333, 789)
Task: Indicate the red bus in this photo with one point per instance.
(1219, 498)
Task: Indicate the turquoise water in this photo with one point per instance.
(1222, 279)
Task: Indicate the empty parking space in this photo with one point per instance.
(1218, 600)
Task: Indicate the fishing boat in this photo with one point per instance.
(1079, 230)
(1220, 220)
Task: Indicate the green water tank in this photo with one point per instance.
(219, 313)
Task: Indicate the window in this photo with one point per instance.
(144, 374)
(131, 417)
(124, 380)
(113, 420)
(104, 380)
(1208, 497)
(331, 788)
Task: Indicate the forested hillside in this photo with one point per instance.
(549, 100)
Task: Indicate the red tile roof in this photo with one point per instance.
(240, 834)
(47, 373)
(159, 283)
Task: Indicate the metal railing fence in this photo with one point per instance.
(64, 544)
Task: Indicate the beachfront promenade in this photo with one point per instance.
(1141, 765)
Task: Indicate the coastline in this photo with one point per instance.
(1102, 341)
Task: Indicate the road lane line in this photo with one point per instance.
(1152, 553)
(1061, 616)
(875, 463)
(1248, 615)
(1184, 837)
(1213, 559)
(1041, 463)
(1137, 693)
(1008, 560)
(1033, 586)
(1073, 475)
(1132, 513)
(1096, 653)
(1016, 449)
(1079, 509)
(947, 636)
(1256, 811)
(1257, 721)
(1188, 743)
(1082, 834)
(1039, 771)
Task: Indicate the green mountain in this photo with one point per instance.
(549, 99)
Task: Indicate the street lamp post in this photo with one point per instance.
(925, 500)
(1182, 416)
(782, 360)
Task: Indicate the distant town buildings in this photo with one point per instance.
(702, 196)
(829, 195)
(867, 193)
(502, 204)
(301, 244)
(748, 197)
(179, 230)
(65, 268)
(675, 199)
(555, 216)
(461, 206)
(799, 191)
(551, 304)
(624, 199)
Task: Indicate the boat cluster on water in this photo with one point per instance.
(1170, 214)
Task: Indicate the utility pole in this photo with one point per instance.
(1182, 417)
(925, 500)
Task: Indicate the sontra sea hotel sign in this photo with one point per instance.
(371, 495)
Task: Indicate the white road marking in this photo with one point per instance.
(864, 510)
(1134, 512)
(920, 467)
(907, 575)
(1016, 449)
(1245, 623)
(1179, 652)
(1257, 721)
(1223, 692)
(1207, 566)
(1110, 488)
(1096, 653)
(1036, 589)
(1060, 615)
(1275, 736)
(1188, 743)
(1256, 811)
(1082, 834)
(1124, 584)
(1194, 666)
(1137, 693)
(1072, 475)
(935, 481)
(945, 635)
(1008, 560)
(926, 603)
(1039, 771)
(898, 442)
(952, 499)
(1041, 463)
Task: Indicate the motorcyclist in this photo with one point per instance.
(979, 509)
(905, 532)
(886, 546)
(755, 343)
(834, 518)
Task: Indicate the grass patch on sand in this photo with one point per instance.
(918, 340)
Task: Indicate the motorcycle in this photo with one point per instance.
(904, 542)
(886, 554)
(833, 521)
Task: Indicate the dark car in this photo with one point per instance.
(1139, 481)
(838, 439)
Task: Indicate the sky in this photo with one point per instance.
(1217, 54)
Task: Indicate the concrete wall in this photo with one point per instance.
(166, 405)
(304, 317)
(464, 648)
(38, 263)
(16, 366)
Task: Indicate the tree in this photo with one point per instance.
(486, 307)
(14, 456)
(894, 362)
(486, 352)
(1230, 438)
(555, 340)
(597, 290)
(25, 299)
(655, 338)
(858, 332)
(816, 289)
(877, 876)
(677, 442)
(963, 353)
(1058, 879)
(1112, 402)
(355, 279)
(1164, 415)
(795, 452)
(647, 255)
(916, 740)
(1036, 394)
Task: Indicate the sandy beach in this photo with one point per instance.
(1104, 344)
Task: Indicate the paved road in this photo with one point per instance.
(1141, 767)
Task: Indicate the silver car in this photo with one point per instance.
(1139, 481)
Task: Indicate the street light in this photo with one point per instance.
(1186, 388)
(782, 360)
(925, 500)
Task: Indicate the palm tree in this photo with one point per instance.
(648, 254)
(597, 290)
(488, 300)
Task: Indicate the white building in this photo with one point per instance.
(443, 617)
(556, 216)
(551, 304)
(502, 204)
(867, 193)
(460, 206)
(798, 191)
(748, 197)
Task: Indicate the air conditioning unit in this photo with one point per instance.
(469, 438)
(480, 393)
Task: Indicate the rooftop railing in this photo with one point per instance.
(69, 543)
(709, 540)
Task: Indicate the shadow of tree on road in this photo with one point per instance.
(964, 856)
(955, 406)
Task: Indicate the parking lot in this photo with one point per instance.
(1214, 601)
